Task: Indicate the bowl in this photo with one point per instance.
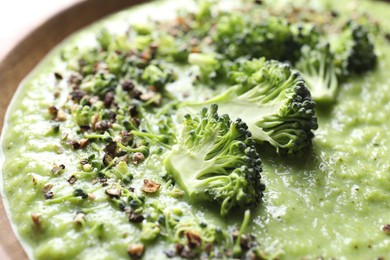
(24, 56)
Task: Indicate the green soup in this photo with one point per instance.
(331, 202)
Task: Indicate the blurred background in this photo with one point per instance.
(17, 17)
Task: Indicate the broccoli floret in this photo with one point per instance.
(158, 75)
(173, 48)
(143, 28)
(355, 52)
(305, 34)
(323, 66)
(236, 37)
(318, 70)
(99, 83)
(150, 231)
(207, 63)
(213, 67)
(273, 100)
(215, 160)
(196, 236)
(227, 30)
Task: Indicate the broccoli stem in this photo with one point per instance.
(237, 251)
(141, 149)
(160, 139)
(106, 136)
(70, 197)
(202, 59)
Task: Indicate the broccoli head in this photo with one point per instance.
(158, 75)
(99, 83)
(207, 63)
(215, 160)
(354, 49)
(235, 37)
(273, 100)
(305, 34)
(318, 70)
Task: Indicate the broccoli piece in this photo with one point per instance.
(354, 49)
(273, 100)
(104, 38)
(305, 34)
(115, 63)
(99, 84)
(208, 64)
(318, 70)
(80, 193)
(173, 48)
(323, 66)
(195, 237)
(82, 114)
(75, 197)
(215, 160)
(237, 249)
(204, 10)
(143, 28)
(158, 75)
(227, 30)
(213, 68)
(150, 231)
(236, 37)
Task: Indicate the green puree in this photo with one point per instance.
(332, 202)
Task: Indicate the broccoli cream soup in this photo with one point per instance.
(207, 130)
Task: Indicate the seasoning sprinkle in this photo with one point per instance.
(53, 111)
(48, 195)
(36, 219)
(58, 76)
(72, 179)
(135, 250)
(61, 115)
(135, 217)
(138, 158)
(79, 218)
(150, 186)
(386, 229)
(58, 169)
(194, 239)
(113, 193)
(47, 187)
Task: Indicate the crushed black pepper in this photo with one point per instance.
(36, 219)
(150, 186)
(386, 229)
(135, 251)
(137, 158)
(77, 95)
(135, 217)
(72, 179)
(194, 239)
(57, 169)
(79, 218)
(113, 193)
(102, 126)
(127, 85)
(47, 187)
(109, 99)
(48, 195)
(58, 76)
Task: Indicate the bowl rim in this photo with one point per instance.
(14, 78)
